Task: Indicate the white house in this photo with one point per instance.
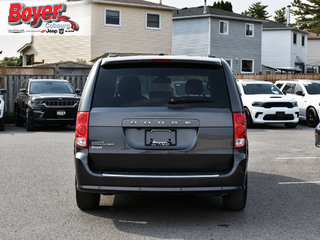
(313, 53)
(284, 47)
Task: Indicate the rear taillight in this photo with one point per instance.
(82, 129)
(240, 129)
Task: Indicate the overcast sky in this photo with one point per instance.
(10, 44)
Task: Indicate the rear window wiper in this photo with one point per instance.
(181, 101)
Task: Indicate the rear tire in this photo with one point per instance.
(29, 123)
(87, 201)
(2, 124)
(312, 117)
(291, 125)
(250, 123)
(236, 200)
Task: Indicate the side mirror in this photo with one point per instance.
(300, 93)
(78, 91)
(3, 91)
(23, 91)
(284, 92)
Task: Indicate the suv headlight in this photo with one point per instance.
(257, 104)
(295, 104)
(36, 101)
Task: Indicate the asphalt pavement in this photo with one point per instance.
(37, 196)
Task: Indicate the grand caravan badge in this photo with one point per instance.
(35, 16)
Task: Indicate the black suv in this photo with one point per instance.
(161, 124)
(46, 101)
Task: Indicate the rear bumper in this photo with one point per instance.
(113, 182)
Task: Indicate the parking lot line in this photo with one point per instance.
(291, 183)
(288, 158)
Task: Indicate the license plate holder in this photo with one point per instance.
(61, 113)
(161, 137)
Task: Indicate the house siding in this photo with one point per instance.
(313, 55)
(50, 49)
(191, 37)
(298, 52)
(236, 45)
(276, 48)
(132, 36)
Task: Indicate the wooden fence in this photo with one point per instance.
(275, 77)
(13, 78)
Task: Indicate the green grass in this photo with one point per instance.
(9, 117)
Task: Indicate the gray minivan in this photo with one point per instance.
(161, 124)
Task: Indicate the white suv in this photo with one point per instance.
(264, 103)
(2, 92)
(307, 94)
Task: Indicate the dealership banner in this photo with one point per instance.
(44, 18)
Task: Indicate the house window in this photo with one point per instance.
(294, 38)
(249, 30)
(112, 17)
(224, 27)
(247, 66)
(302, 40)
(153, 20)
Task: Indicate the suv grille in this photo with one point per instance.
(60, 103)
(278, 104)
(278, 117)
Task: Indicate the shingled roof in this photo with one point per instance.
(269, 25)
(211, 11)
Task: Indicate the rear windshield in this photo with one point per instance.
(313, 88)
(50, 87)
(161, 84)
(251, 89)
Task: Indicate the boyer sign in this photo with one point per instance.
(34, 16)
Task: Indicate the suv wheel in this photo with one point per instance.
(236, 200)
(250, 123)
(291, 125)
(1, 124)
(87, 201)
(29, 123)
(312, 117)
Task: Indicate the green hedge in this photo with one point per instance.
(9, 117)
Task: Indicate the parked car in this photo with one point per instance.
(161, 124)
(264, 103)
(307, 94)
(2, 92)
(317, 136)
(46, 101)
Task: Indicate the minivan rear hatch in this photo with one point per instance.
(161, 117)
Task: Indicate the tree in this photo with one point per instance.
(307, 14)
(280, 15)
(223, 5)
(257, 10)
(12, 61)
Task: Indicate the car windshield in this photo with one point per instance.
(161, 84)
(252, 89)
(50, 87)
(313, 88)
